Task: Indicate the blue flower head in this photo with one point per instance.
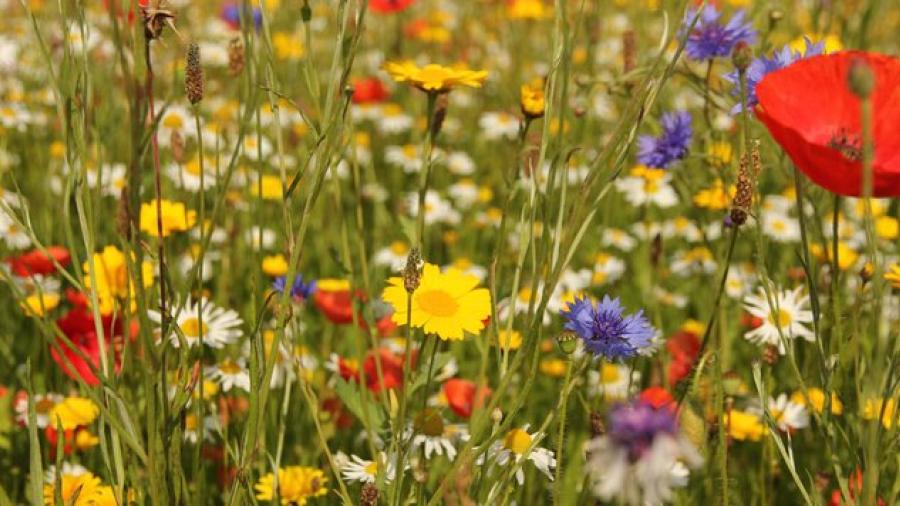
(711, 39)
(299, 289)
(661, 152)
(605, 328)
(762, 66)
(231, 14)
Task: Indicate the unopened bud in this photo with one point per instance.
(496, 415)
(742, 56)
(193, 75)
(567, 341)
(775, 15)
(861, 79)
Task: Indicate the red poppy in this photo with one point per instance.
(683, 346)
(391, 370)
(339, 415)
(369, 90)
(389, 6)
(78, 327)
(337, 305)
(811, 112)
(38, 262)
(462, 398)
(658, 397)
(854, 485)
(386, 326)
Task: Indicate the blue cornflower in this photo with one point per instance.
(762, 66)
(634, 427)
(606, 330)
(671, 146)
(231, 14)
(299, 289)
(710, 39)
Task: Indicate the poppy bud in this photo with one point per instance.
(742, 56)
(860, 79)
(567, 341)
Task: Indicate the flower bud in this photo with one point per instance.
(861, 79)
(742, 56)
(567, 341)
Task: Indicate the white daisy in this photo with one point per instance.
(639, 191)
(683, 228)
(229, 374)
(697, 260)
(393, 120)
(393, 256)
(13, 235)
(218, 327)
(789, 317)
(360, 470)
(187, 175)
(607, 269)
(780, 227)
(499, 125)
(517, 445)
(437, 209)
(407, 157)
(618, 238)
(43, 404)
(110, 179)
(788, 415)
(431, 433)
(613, 382)
(460, 163)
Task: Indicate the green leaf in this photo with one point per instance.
(349, 395)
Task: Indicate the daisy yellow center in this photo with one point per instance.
(193, 167)
(399, 248)
(44, 406)
(609, 374)
(229, 367)
(437, 303)
(173, 121)
(190, 422)
(517, 441)
(371, 469)
(782, 318)
(192, 327)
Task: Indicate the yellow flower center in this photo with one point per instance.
(783, 318)
(437, 303)
(229, 367)
(399, 248)
(371, 469)
(609, 374)
(192, 327)
(517, 441)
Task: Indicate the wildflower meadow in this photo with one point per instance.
(449, 252)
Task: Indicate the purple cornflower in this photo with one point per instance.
(660, 152)
(231, 14)
(606, 330)
(710, 39)
(299, 289)
(762, 66)
(634, 426)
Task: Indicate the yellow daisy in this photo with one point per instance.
(175, 218)
(296, 484)
(445, 303)
(433, 77)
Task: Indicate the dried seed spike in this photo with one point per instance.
(193, 75)
(368, 496)
(235, 56)
(412, 273)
